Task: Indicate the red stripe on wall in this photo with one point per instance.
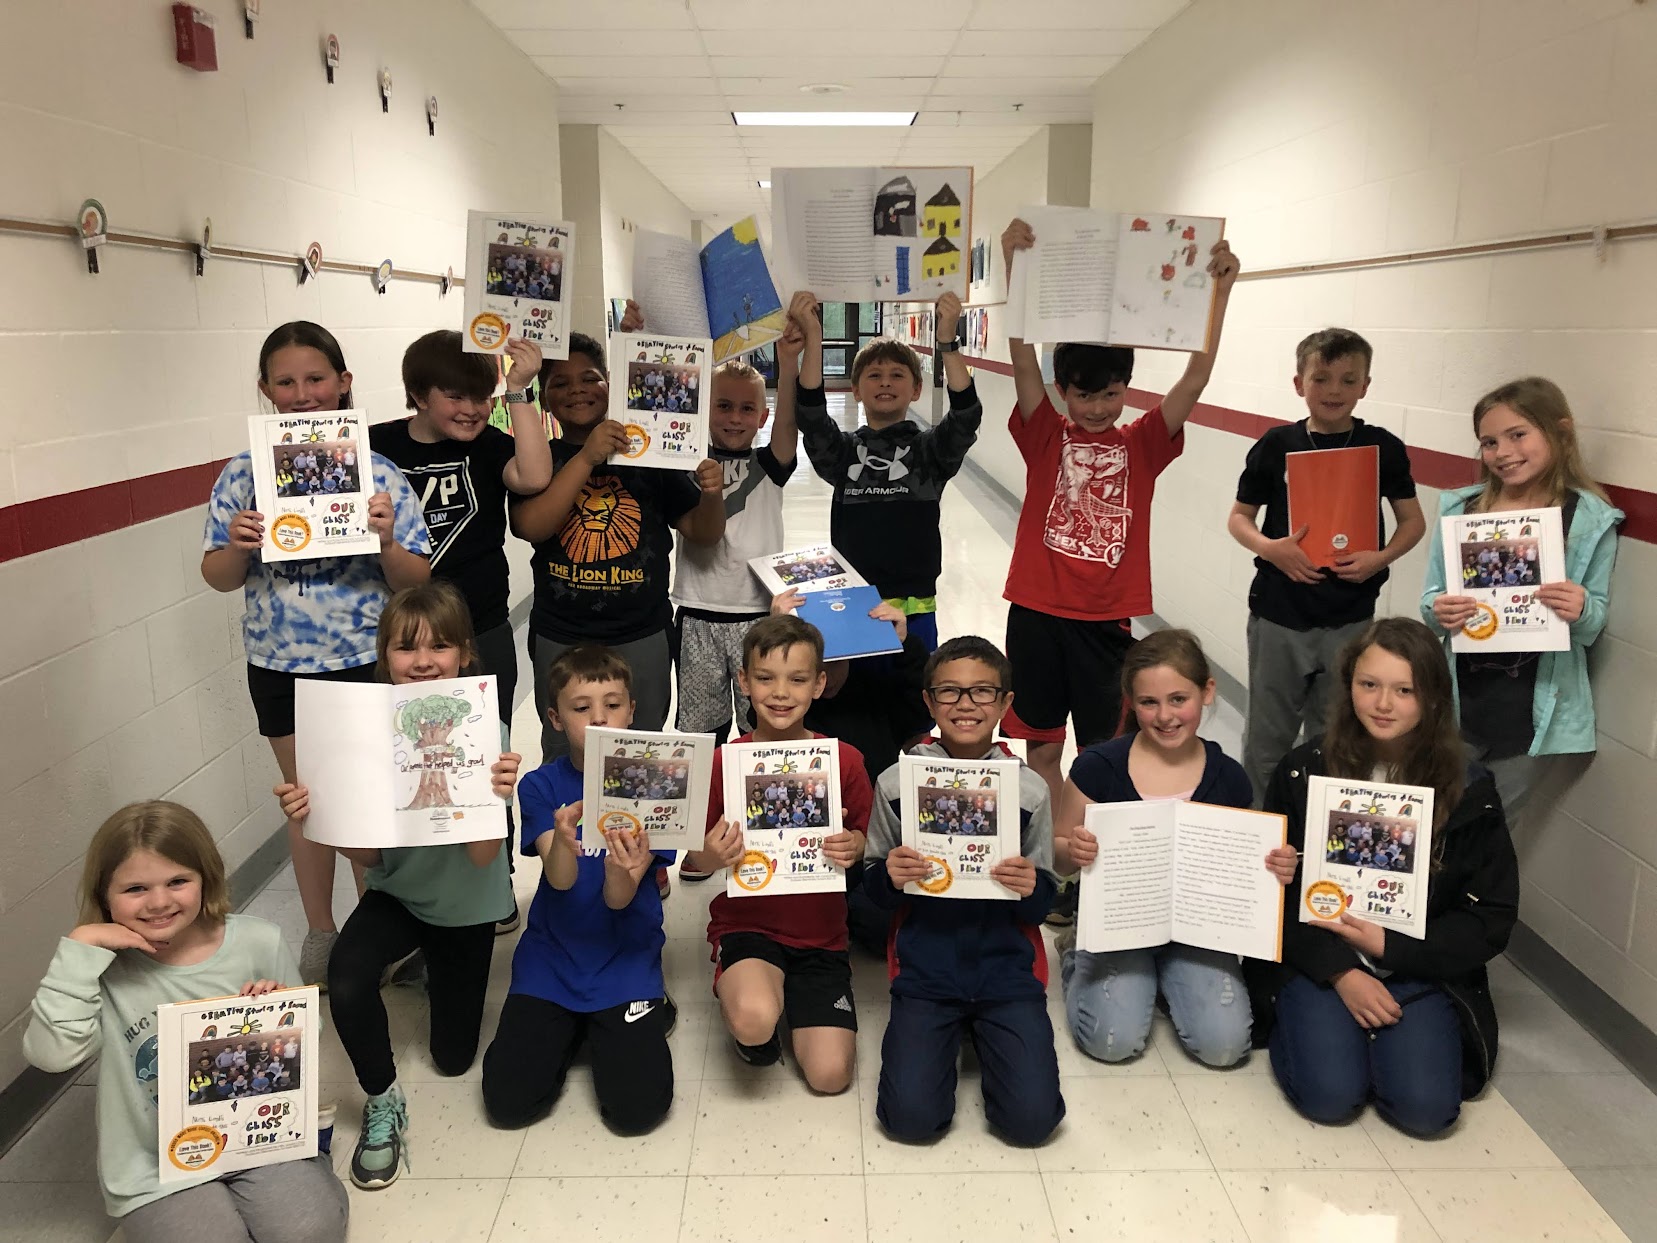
(53, 521)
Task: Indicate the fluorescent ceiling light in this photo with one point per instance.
(824, 118)
(763, 185)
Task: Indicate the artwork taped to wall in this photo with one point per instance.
(897, 234)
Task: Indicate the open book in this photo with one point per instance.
(815, 568)
(786, 797)
(236, 1082)
(963, 817)
(659, 393)
(654, 782)
(1114, 279)
(1336, 495)
(1368, 850)
(312, 477)
(1187, 872)
(1500, 560)
(518, 275)
(402, 765)
(723, 291)
(873, 234)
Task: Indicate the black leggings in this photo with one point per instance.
(380, 931)
(498, 654)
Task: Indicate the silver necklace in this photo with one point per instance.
(1306, 427)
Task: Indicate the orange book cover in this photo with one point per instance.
(1336, 495)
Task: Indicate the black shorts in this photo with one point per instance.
(272, 694)
(1065, 669)
(816, 983)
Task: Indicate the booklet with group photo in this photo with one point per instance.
(236, 1082)
(1500, 560)
(841, 615)
(659, 394)
(1336, 495)
(873, 234)
(786, 797)
(723, 291)
(1187, 872)
(657, 783)
(963, 818)
(517, 282)
(408, 765)
(312, 477)
(815, 568)
(1114, 279)
(1368, 851)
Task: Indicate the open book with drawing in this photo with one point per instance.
(1114, 279)
(722, 291)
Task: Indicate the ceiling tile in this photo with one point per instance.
(992, 68)
(621, 72)
(632, 43)
(1073, 14)
(1070, 42)
(704, 90)
(586, 14)
(851, 44)
(866, 15)
(827, 68)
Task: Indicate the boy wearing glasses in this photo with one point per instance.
(962, 965)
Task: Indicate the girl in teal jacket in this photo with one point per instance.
(1530, 459)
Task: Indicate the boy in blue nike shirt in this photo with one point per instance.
(589, 962)
(959, 965)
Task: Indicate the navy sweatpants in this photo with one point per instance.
(916, 1100)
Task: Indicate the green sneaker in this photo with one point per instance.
(379, 1155)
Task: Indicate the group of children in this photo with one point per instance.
(1373, 700)
(307, 473)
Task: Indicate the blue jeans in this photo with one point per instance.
(916, 1097)
(1109, 999)
(1329, 1067)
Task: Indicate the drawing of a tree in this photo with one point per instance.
(427, 723)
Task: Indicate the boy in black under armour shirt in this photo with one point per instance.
(888, 477)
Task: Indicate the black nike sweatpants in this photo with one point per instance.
(525, 1065)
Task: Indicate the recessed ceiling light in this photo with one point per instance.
(824, 88)
(823, 118)
(763, 185)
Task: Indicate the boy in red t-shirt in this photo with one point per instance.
(1081, 566)
(781, 956)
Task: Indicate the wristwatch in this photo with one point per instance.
(948, 347)
(513, 398)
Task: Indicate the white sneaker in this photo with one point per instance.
(313, 957)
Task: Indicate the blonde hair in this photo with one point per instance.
(434, 606)
(168, 829)
(1541, 403)
(739, 369)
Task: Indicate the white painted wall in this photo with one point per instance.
(121, 674)
(1343, 130)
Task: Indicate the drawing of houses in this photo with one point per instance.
(942, 258)
(895, 209)
(943, 214)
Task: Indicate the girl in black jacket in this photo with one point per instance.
(1356, 1011)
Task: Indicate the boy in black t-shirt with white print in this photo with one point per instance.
(603, 535)
(463, 471)
(1300, 616)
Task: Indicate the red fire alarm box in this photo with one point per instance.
(193, 33)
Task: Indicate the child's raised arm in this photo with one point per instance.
(530, 469)
(1027, 380)
(537, 518)
(1181, 399)
(785, 428)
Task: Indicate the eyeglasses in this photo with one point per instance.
(983, 696)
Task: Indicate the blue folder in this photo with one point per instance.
(848, 631)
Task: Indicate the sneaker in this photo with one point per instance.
(1063, 914)
(411, 972)
(510, 923)
(313, 958)
(378, 1159)
(766, 1054)
(672, 1013)
(686, 872)
(664, 884)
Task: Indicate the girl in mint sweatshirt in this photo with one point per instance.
(158, 929)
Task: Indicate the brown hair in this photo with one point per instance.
(587, 662)
(1331, 345)
(170, 830)
(885, 350)
(439, 360)
(781, 631)
(302, 332)
(739, 369)
(1177, 649)
(1541, 403)
(1433, 751)
(435, 606)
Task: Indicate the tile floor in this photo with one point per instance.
(1562, 1147)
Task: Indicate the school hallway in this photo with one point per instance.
(1563, 1146)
